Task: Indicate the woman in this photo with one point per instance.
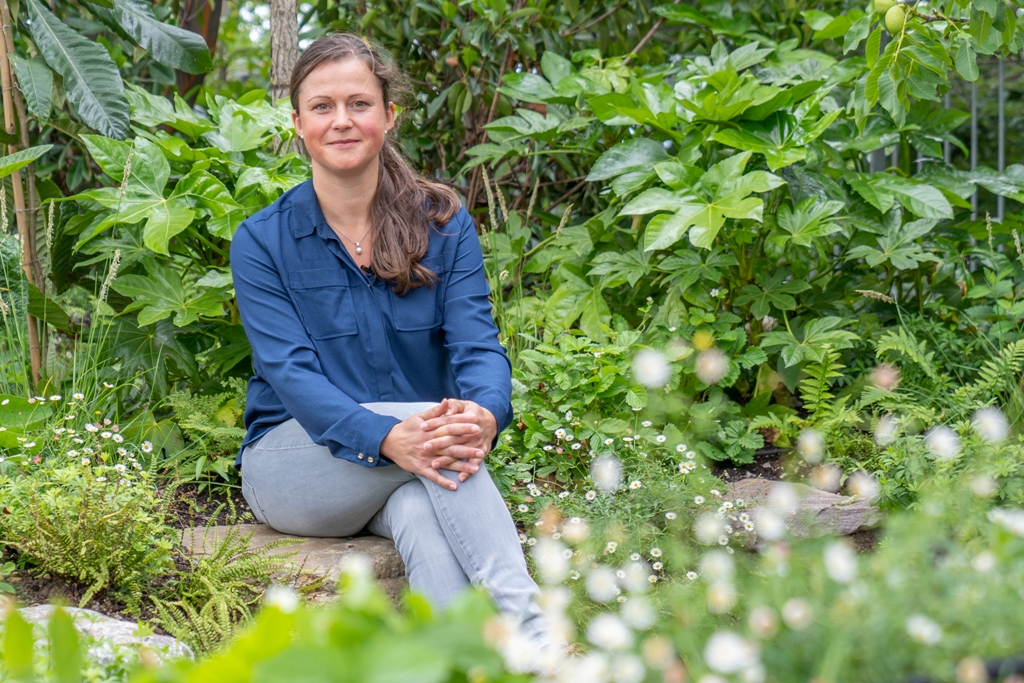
(380, 383)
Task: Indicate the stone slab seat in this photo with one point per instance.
(320, 557)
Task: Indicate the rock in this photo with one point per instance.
(321, 557)
(109, 634)
(818, 512)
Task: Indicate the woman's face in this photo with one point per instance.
(343, 118)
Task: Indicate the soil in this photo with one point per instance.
(195, 508)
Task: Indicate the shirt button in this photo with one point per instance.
(360, 456)
(370, 459)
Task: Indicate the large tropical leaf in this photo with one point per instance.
(92, 81)
(36, 83)
(168, 44)
(14, 162)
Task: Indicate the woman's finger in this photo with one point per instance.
(438, 422)
(458, 452)
(435, 412)
(463, 466)
(456, 430)
(438, 478)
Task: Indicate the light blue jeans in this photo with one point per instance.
(447, 539)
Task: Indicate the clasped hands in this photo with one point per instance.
(454, 435)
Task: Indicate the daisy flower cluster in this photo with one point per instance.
(98, 445)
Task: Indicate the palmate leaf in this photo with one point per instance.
(816, 337)
(161, 294)
(35, 80)
(149, 350)
(144, 200)
(92, 81)
(774, 292)
(723, 192)
(168, 44)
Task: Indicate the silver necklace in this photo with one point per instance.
(359, 249)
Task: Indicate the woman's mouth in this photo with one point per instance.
(343, 144)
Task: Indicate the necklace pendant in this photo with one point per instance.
(359, 249)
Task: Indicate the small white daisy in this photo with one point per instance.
(86, 462)
(523, 507)
(699, 500)
(611, 547)
(670, 516)
(122, 452)
(635, 557)
(723, 540)
(657, 566)
(646, 423)
(531, 541)
(576, 446)
(563, 494)
(655, 552)
(147, 447)
(590, 495)
(635, 484)
(78, 396)
(548, 447)
(119, 468)
(91, 428)
(118, 438)
(653, 578)
(106, 435)
(660, 438)
(559, 433)
(574, 575)
(609, 441)
(522, 538)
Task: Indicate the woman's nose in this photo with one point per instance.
(342, 118)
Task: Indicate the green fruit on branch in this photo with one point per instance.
(895, 17)
(883, 6)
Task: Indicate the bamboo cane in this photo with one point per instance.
(28, 255)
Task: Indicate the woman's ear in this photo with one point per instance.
(297, 122)
(390, 116)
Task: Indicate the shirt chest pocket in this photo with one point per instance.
(421, 308)
(325, 302)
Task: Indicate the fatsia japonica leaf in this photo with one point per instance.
(772, 291)
(92, 81)
(161, 293)
(723, 192)
(634, 155)
(144, 200)
(808, 221)
(811, 342)
(111, 155)
(897, 245)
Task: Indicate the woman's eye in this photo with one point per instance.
(320, 107)
(360, 105)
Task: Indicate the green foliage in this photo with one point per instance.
(216, 594)
(212, 424)
(90, 516)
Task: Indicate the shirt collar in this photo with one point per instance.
(307, 217)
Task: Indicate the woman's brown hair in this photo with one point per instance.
(406, 203)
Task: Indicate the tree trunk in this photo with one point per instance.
(284, 45)
(202, 17)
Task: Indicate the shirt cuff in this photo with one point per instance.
(373, 429)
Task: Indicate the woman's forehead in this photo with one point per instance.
(346, 77)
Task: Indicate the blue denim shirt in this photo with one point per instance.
(326, 336)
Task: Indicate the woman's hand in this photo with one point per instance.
(450, 443)
(405, 446)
